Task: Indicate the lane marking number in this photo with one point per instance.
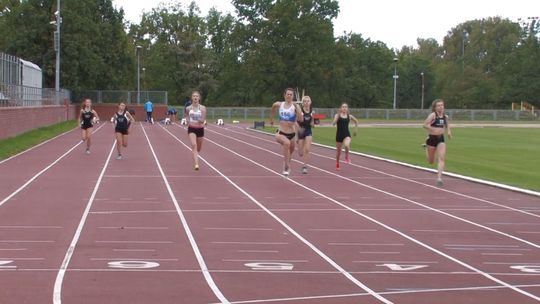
(4, 264)
(403, 267)
(133, 264)
(527, 268)
(270, 266)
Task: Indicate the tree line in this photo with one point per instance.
(248, 58)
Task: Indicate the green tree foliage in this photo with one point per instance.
(247, 59)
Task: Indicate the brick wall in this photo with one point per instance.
(17, 120)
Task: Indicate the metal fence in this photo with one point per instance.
(10, 72)
(115, 96)
(23, 96)
(381, 114)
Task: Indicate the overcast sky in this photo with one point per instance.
(394, 22)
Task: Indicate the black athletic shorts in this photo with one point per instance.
(434, 140)
(340, 136)
(199, 132)
(290, 136)
(121, 130)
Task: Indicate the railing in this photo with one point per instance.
(115, 96)
(380, 114)
(23, 96)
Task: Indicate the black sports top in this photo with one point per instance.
(306, 124)
(122, 122)
(343, 123)
(439, 122)
(86, 117)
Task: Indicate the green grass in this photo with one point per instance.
(13, 145)
(503, 155)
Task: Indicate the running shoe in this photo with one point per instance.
(348, 160)
(439, 182)
(304, 170)
(285, 172)
(337, 167)
(87, 151)
(196, 168)
(119, 157)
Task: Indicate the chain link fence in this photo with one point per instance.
(380, 114)
(116, 96)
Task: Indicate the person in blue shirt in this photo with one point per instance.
(149, 107)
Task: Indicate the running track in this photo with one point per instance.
(78, 228)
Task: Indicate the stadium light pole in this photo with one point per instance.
(395, 80)
(139, 74)
(422, 102)
(58, 22)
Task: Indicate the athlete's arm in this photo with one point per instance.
(355, 124)
(334, 121)
(428, 121)
(448, 130)
(275, 105)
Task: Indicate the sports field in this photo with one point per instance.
(501, 154)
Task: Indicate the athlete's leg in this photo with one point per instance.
(194, 150)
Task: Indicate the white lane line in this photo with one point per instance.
(240, 229)
(57, 293)
(420, 183)
(380, 191)
(379, 252)
(38, 145)
(130, 259)
(341, 230)
(276, 261)
(30, 227)
(502, 254)
(23, 259)
(364, 244)
(404, 235)
(132, 176)
(187, 229)
(289, 228)
(257, 251)
(136, 228)
(26, 241)
(135, 242)
(132, 211)
(399, 262)
(527, 224)
(512, 263)
(446, 231)
(480, 246)
(13, 249)
(33, 178)
(134, 250)
(251, 243)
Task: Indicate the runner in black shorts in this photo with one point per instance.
(122, 119)
(305, 135)
(343, 136)
(196, 118)
(436, 123)
(87, 117)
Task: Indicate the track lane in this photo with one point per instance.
(324, 183)
(244, 243)
(133, 248)
(37, 223)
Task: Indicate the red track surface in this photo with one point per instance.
(149, 229)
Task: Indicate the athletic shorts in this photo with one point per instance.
(434, 140)
(290, 136)
(121, 130)
(303, 133)
(199, 132)
(340, 136)
(86, 126)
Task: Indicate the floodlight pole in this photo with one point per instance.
(422, 102)
(395, 80)
(57, 48)
(139, 74)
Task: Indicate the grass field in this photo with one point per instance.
(503, 155)
(13, 145)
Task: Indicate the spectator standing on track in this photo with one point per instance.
(305, 134)
(343, 136)
(122, 120)
(436, 123)
(196, 118)
(149, 107)
(289, 114)
(87, 118)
